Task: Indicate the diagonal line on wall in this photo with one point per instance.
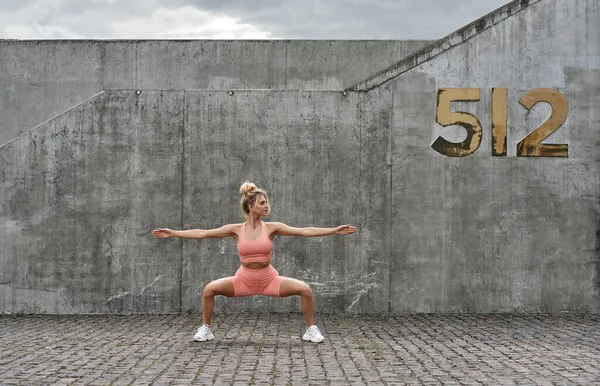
(439, 47)
(54, 117)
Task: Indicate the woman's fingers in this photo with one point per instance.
(346, 229)
(161, 233)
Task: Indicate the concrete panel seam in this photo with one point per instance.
(183, 129)
(230, 89)
(56, 116)
(13, 289)
(435, 49)
(136, 76)
(361, 117)
(391, 171)
(285, 72)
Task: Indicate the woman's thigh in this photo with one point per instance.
(222, 286)
(290, 287)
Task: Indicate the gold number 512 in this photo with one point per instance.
(530, 146)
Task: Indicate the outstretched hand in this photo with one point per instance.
(163, 233)
(345, 230)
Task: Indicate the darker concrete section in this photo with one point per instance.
(78, 198)
(374, 208)
(267, 349)
(597, 263)
(583, 85)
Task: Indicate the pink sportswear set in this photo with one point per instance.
(261, 281)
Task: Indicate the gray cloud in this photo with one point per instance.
(12, 5)
(110, 19)
(356, 19)
(288, 19)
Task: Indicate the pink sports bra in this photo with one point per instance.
(255, 251)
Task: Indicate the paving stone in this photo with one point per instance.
(267, 349)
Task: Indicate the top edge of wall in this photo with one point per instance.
(440, 46)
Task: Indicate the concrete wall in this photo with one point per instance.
(317, 154)
(80, 194)
(495, 234)
(41, 79)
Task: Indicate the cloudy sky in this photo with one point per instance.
(238, 19)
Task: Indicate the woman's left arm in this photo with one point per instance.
(285, 230)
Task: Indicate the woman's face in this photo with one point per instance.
(261, 206)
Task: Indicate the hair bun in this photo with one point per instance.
(247, 187)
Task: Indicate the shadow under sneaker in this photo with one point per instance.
(203, 334)
(313, 334)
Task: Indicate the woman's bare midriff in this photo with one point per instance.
(262, 264)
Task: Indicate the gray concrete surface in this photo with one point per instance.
(441, 46)
(41, 79)
(266, 349)
(305, 157)
(80, 194)
(488, 234)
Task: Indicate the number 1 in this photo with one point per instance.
(499, 121)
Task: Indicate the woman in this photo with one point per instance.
(256, 276)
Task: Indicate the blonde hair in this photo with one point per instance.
(250, 194)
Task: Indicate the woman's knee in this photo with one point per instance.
(218, 287)
(291, 287)
(209, 290)
(306, 291)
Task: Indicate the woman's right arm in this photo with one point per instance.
(198, 234)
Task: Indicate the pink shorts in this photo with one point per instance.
(261, 281)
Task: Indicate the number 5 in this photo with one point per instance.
(445, 117)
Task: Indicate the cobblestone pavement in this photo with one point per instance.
(267, 349)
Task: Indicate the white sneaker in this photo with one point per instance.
(203, 334)
(313, 334)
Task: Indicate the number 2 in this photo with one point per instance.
(530, 146)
